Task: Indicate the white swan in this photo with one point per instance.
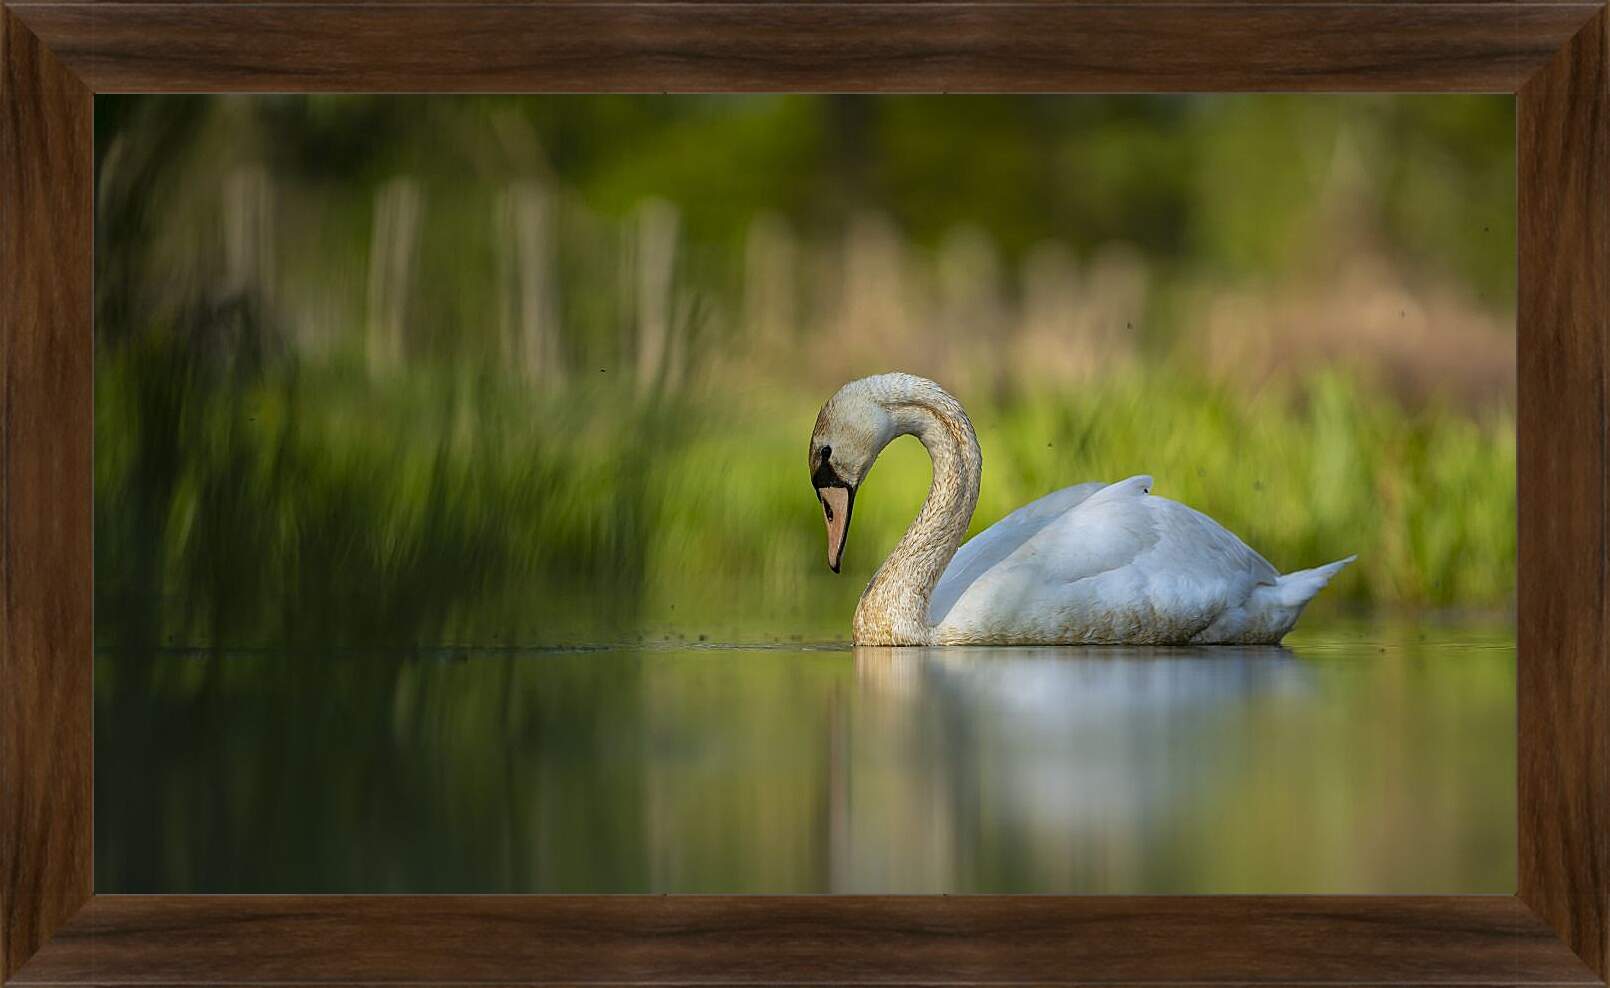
(1093, 563)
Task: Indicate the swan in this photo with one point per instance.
(1090, 564)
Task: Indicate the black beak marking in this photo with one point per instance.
(826, 476)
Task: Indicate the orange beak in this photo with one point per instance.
(837, 502)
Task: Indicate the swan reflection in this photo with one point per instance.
(1066, 758)
(1087, 676)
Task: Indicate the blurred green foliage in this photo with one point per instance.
(260, 478)
(1226, 184)
(326, 510)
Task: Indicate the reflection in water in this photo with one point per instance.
(1348, 763)
(1073, 751)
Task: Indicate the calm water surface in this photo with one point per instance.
(1362, 757)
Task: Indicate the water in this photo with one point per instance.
(1363, 757)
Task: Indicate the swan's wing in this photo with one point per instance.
(1190, 544)
(1000, 540)
(1118, 549)
(1124, 525)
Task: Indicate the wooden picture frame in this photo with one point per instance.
(54, 56)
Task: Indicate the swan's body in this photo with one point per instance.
(1093, 563)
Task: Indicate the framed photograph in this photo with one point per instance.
(423, 425)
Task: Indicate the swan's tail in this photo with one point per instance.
(1297, 589)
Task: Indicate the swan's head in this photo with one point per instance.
(851, 430)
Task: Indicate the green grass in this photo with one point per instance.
(317, 506)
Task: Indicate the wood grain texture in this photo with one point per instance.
(1563, 692)
(813, 939)
(45, 689)
(916, 3)
(45, 513)
(680, 47)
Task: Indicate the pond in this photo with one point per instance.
(1365, 756)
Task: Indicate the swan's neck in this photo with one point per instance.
(894, 607)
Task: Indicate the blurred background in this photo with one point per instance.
(447, 443)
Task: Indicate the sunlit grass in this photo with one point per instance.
(325, 505)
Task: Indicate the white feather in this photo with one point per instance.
(1113, 563)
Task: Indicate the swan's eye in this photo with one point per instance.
(826, 452)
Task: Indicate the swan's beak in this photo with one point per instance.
(837, 502)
